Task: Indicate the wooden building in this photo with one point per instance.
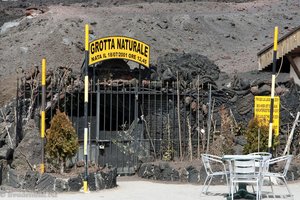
(288, 55)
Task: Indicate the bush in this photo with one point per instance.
(224, 142)
(251, 135)
(62, 141)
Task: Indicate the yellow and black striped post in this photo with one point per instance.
(42, 167)
(86, 100)
(270, 142)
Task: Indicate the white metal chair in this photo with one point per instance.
(265, 155)
(263, 163)
(244, 169)
(286, 161)
(214, 166)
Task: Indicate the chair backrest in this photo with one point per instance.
(265, 157)
(242, 167)
(208, 159)
(286, 160)
(205, 161)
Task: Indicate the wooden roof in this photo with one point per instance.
(288, 44)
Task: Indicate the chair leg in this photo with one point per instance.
(271, 184)
(231, 188)
(257, 191)
(287, 187)
(206, 186)
(227, 183)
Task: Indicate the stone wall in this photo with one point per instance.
(33, 181)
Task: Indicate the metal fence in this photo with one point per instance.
(131, 122)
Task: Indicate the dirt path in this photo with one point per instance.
(146, 190)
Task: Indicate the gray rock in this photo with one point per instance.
(167, 174)
(29, 146)
(112, 178)
(193, 175)
(4, 151)
(163, 165)
(100, 181)
(189, 65)
(184, 175)
(1, 169)
(4, 171)
(61, 185)
(264, 90)
(105, 180)
(45, 183)
(13, 179)
(92, 182)
(75, 183)
(30, 180)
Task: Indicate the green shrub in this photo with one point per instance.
(62, 141)
(257, 136)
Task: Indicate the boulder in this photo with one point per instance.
(30, 146)
(92, 182)
(75, 183)
(1, 168)
(188, 65)
(30, 180)
(4, 152)
(193, 175)
(146, 171)
(45, 183)
(14, 179)
(169, 174)
(61, 185)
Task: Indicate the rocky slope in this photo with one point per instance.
(230, 34)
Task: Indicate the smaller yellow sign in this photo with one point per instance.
(262, 106)
(119, 47)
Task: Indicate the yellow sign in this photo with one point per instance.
(119, 47)
(262, 111)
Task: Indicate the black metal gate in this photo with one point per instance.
(128, 123)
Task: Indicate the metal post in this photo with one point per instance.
(209, 118)
(42, 167)
(89, 141)
(273, 89)
(98, 121)
(86, 99)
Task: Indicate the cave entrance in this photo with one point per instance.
(114, 114)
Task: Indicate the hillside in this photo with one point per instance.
(228, 32)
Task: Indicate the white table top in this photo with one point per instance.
(229, 157)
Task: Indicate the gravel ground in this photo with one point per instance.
(146, 190)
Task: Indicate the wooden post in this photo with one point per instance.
(179, 121)
(288, 144)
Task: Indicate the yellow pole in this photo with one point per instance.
(42, 167)
(86, 100)
(273, 89)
